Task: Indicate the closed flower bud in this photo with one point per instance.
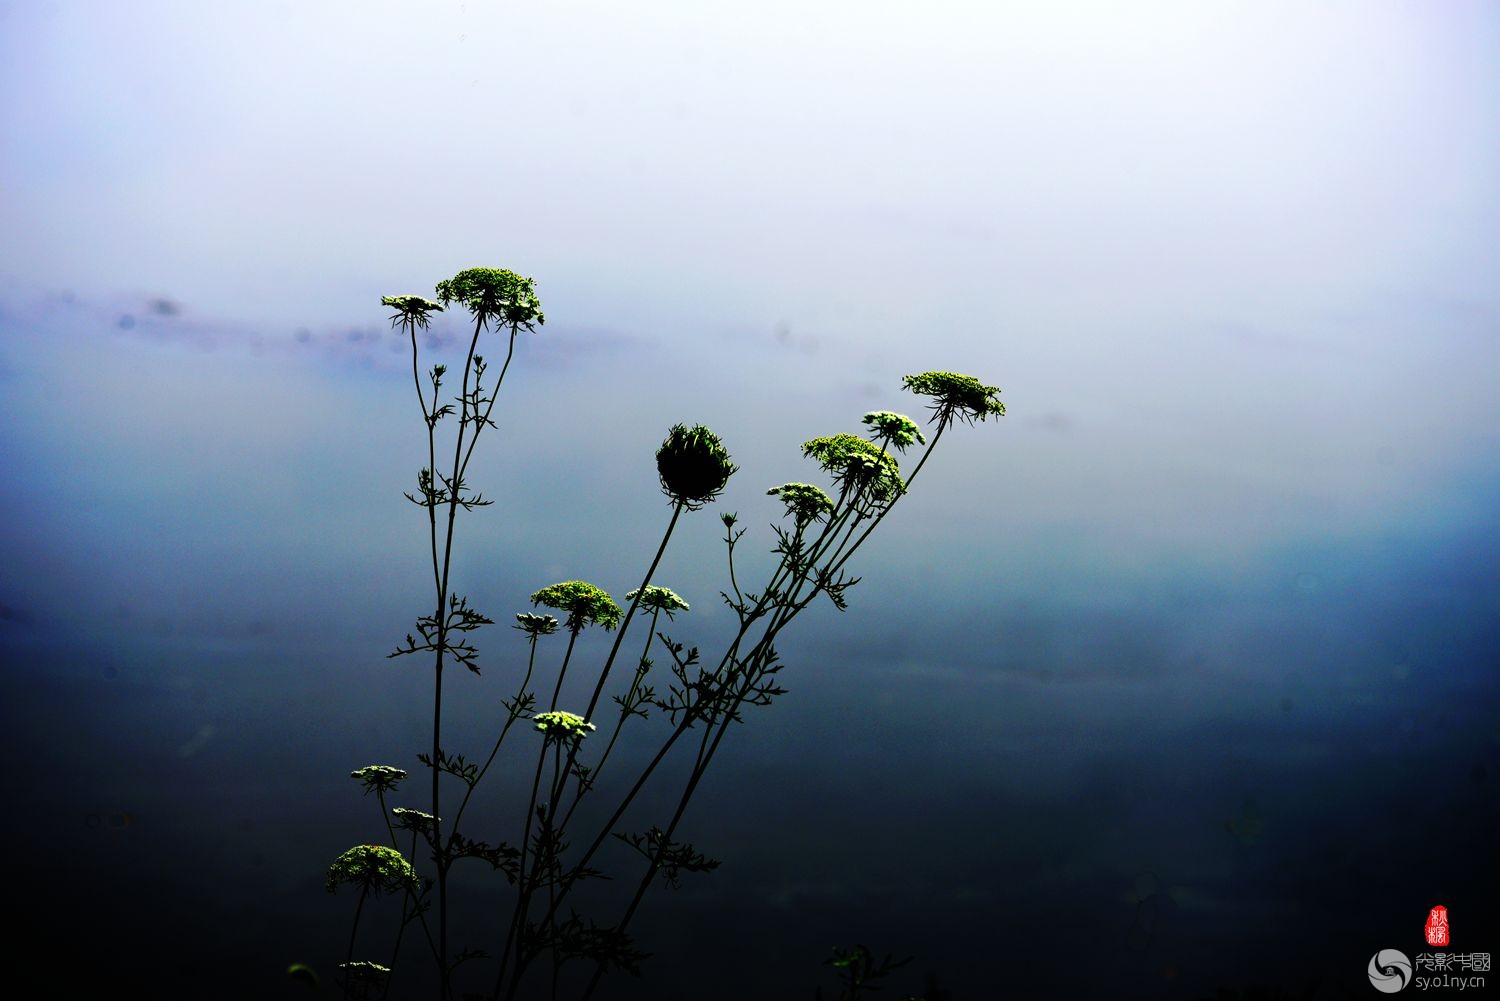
(693, 465)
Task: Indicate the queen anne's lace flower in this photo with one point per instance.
(411, 820)
(491, 293)
(659, 599)
(961, 396)
(858, 464)
(372, 867)
(535, 625)
(364, 975)
(558, 725)
(804, 502)
(583, 602)
(411, 309)
(897, 429)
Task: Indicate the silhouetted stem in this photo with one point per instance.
(439, 850)
(634, 603)
(349, 956)
(514, 715)
(562, 671)
(625, 713)
(525, 880)
(707, 748)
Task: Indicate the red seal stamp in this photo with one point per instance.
(1437, 926)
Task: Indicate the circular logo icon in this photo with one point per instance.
(1390, 970)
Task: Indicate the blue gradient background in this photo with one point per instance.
(1182, 678)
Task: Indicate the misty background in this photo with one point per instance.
(1180, 677)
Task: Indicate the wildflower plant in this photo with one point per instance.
(579, 815)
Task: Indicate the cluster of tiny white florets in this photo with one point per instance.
(374, 867)
(536, 625)
(560, 725)
(660, 599)
(362, 970)
(804, 502)
(898, 429)
(411, 820)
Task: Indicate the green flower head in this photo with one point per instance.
(583, 602)
(693, 465)
(492, 294)
(558, 725)
(896, 429)
(659, 599)
(535, 625)
(378, 778)
(372, 867)
(804, 502)
(858, 465)
(961, 396)
(411, 820)
(412, 309)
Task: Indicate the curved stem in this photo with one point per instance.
(514, 715)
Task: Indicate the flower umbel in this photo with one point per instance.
(411, 309)
(583, 602)
(694, 465)
(897, 429)
(378, 778)
(961, 396)
(535, 625)
(804, 502)
(373, 867)
(558, 725)
(494, 294)
(411, 820)
(858, 465)
(659, 599)
(365, 978)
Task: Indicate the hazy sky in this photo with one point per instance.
(1232, 264)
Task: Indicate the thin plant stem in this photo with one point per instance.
(562, 671)
(509, 722)
(349, 956)
(635, 602)
(439, 849)
(523, 894)
(707, 748)
(625, 713)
